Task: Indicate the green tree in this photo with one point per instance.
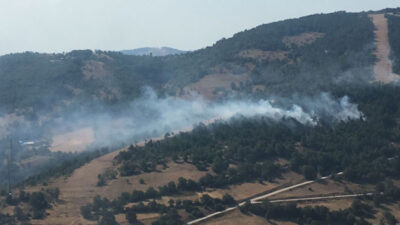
(227, 199)
(39, 204)
(108, 219)
(309, 172)
(19, 214)
(219, 165)
(130, 215)
(390, 219)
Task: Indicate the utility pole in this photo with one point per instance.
(14, 94)
(9, 166)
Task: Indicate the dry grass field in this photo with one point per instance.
(208, 85)
(325, 187)
(237, 218)
(246, 190)
(79, 189)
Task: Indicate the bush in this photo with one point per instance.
(39, 204)
(130, 215)
(309, 172)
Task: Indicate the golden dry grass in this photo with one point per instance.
(207, 85)
(246, 190)
(239, 192)
(326, 187)
(237, 218)
(153, 179)
(75, 191)
(143, 217)
(80, 188)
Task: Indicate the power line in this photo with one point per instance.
(9, 166)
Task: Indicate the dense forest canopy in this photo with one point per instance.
(364, 149)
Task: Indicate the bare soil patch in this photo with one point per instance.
(383, 67)
(94, 70)
(210, 85)
(263, 55)
(302, 39)
(235, 218)
(75, 141)
(325, 187)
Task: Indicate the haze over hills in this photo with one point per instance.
(163, 51)
(278, 104)
(298, 56)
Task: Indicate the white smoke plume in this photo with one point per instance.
(151, 116)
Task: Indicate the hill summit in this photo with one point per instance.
(154, 51)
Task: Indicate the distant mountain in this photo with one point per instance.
(163, 51)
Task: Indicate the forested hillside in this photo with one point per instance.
(242, 150)
(297, 56)
(318, 50)
(278, 71)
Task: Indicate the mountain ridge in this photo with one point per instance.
(153, 51)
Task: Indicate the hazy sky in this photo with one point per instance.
(63, 25)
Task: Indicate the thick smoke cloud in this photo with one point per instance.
(151, 116)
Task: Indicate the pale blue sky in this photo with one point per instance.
(63, 25)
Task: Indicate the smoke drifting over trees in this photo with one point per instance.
(150, 115)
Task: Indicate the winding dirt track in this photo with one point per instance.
(256, 200)
(317, 198)
(383, 67)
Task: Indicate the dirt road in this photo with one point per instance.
(318, 198)
(383, 67)
(257, 199)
